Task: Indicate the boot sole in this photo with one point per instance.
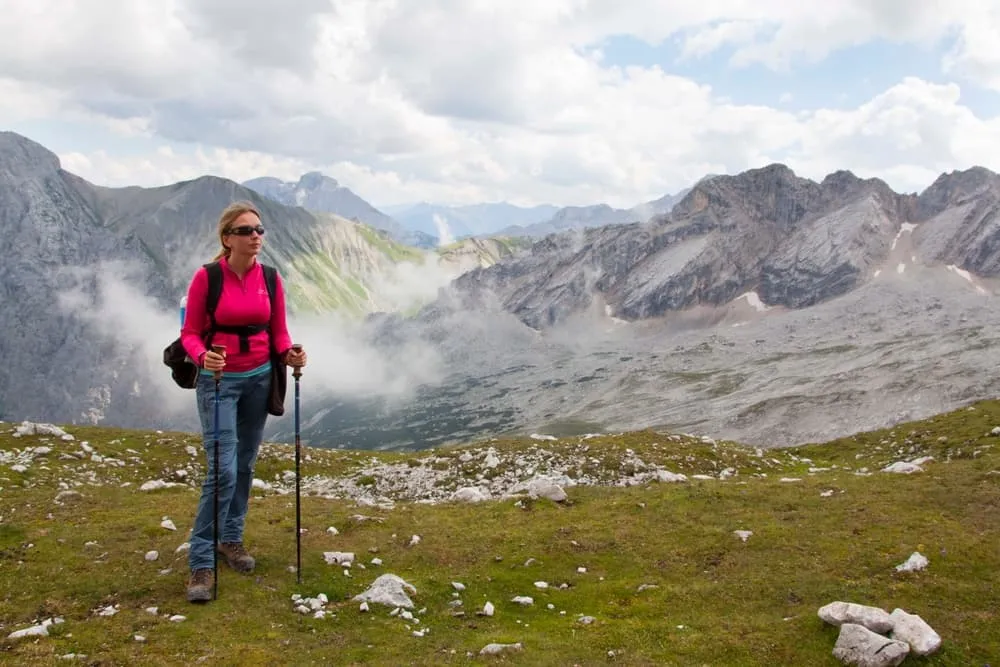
(199, 596)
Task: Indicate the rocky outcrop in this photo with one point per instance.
(791, 241)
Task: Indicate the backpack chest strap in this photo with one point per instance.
(244, 332)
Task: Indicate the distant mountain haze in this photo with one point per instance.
(316, 192)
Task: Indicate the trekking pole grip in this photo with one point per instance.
(297, 370)
(219, 349)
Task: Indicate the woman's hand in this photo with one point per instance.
(213, 361)
(295, 357)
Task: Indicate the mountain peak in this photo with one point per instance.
(314, 180)
(21, 157)
(955, 187)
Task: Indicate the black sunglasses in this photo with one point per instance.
(247, 231)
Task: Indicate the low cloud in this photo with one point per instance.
(344, 362)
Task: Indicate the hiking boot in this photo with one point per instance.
(199, 588)
(237, 556)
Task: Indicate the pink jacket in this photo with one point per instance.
(243, 301)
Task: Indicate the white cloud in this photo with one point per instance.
(460, 102)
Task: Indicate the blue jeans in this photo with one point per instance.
(242, 413)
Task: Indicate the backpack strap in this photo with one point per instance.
(214, 272)
(271, 280)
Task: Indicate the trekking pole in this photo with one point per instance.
(218, 349)
(297, 373)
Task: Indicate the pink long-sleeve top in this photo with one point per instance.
(243, 301)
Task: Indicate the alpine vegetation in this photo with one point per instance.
(638, 547)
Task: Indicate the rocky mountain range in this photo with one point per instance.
(763, 306)
(90, 283)
(426, 225)
(789, 241)
(766, 307)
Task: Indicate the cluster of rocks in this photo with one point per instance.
(872, 637)
(393, 591)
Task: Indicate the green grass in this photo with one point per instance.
(717, 600)
(397, 252)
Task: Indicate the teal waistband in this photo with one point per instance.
(264, 368)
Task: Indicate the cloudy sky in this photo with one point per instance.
(528, 101)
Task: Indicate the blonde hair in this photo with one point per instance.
(226, 220)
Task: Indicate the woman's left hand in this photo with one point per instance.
(295, 358)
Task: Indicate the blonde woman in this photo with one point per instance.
(252, 333)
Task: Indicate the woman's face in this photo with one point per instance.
(246, 235)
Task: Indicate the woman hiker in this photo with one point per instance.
(243, 390)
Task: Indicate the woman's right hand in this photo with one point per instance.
(213, 361)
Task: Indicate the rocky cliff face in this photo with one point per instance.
(790, 241)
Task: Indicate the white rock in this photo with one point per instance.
(182, 548)
(64, 496)
(497, 649)
(492, 460)
(140, 638)
(177, 618)
(152, 555)
(667, 476)
(522, 599)
(873, 618)
(903, 467)
(541, 487)
(586, 620)
(458, 586)
(916, 561)
(338, 557)
(415, 540)
(390, 590)
(39, 630)
(168, 524)
(743, 534)
(488, 609)
(470, 494)
(915, 631)
(363, 606)
(191, 451)
(157, 484)
(541, 584)
(857, 645)
(333, 531)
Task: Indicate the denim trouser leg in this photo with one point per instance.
(242, 413)
(250, 417)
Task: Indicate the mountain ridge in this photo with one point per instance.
(575, 326)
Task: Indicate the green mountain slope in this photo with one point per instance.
(636, 571)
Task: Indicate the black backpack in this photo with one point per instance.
(185, 372)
